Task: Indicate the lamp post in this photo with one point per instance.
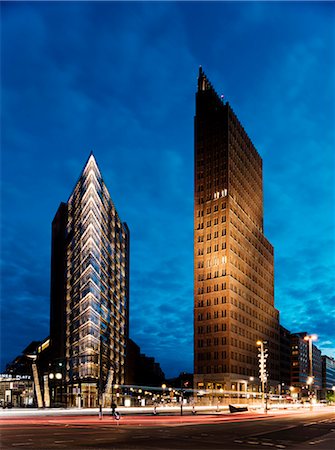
(56, 376)
(251, 379)
(310, 338)
(163, 391)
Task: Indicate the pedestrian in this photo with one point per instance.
(113, 409)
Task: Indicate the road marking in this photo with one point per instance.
(268, 443)
(105, 438)
(22, 443)
(316, 442)
(253, 442)
(280, 446)
(238, 441)
(26, 435)
(61, 442)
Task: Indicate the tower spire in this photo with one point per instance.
(203, 83)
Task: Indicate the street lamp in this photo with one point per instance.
(163, 392)
(310, 338)
(251, 379)
(56, 376)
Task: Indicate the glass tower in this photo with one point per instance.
(91, 259)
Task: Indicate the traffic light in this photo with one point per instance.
(263, 355)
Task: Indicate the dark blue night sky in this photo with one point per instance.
(120, 79)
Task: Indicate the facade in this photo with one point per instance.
(285, 357)
(142, 370)
(233, 260)
(89, 291)
(328, 375)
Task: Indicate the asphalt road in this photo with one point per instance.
(300, 431)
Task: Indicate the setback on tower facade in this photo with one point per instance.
(233, 260)
(89, 293)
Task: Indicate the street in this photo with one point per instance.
(298, 430)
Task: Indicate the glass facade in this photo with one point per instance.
(96, 289)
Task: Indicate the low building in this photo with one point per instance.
(142, 370)
(16, 391)
(328, 376)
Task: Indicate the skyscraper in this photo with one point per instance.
(89, 290)
(233, 260)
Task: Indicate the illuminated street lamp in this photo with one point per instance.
(310, 338)
(163, 389)
(251, 379)
(56, 376)
(310, 380)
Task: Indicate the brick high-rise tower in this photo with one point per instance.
(233, 260)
